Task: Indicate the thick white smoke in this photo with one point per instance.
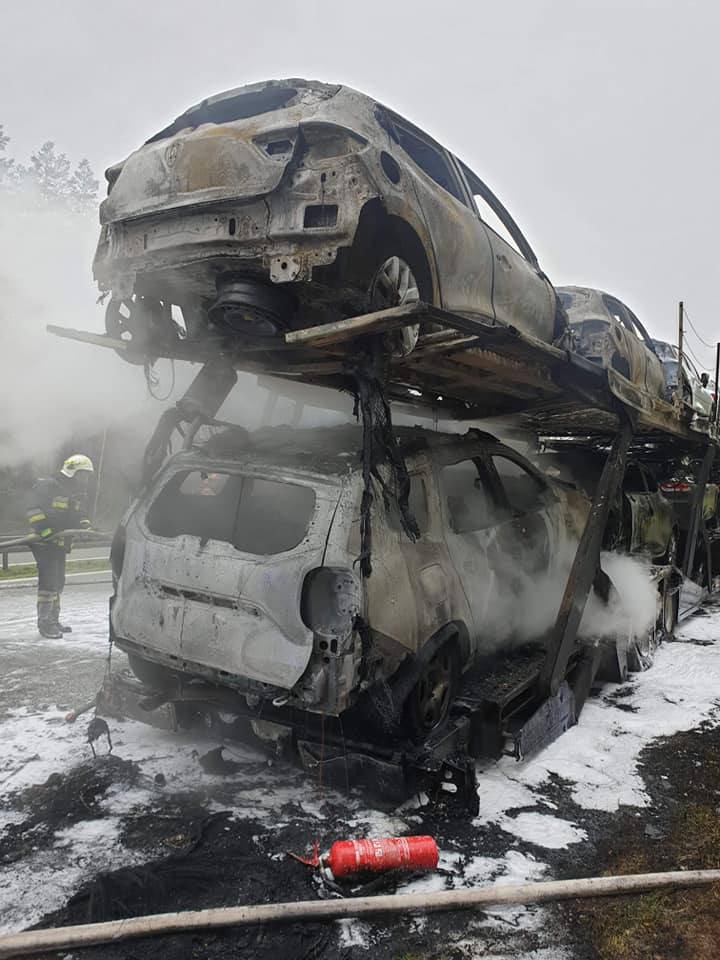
(52, 388)
(515, 607)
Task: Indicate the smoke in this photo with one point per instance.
(53, 388)
(632, 609)
(521, 599)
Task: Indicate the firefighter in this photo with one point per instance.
(57, 504)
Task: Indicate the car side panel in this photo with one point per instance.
(651, 523)
(461, 248)
(521, 297)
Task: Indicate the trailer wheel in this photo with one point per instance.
(152, 674)
(429, 703)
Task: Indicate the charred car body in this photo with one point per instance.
(607, 332)
(641, 518)
(291, 203)
(239, 566)
(690, 387)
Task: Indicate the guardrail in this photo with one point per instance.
(20, 548)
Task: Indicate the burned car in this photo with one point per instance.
(239, 566)
(608, 333)
(641, 518)
(691, 388)
(291, 203)
(644, 520)
(680, 490)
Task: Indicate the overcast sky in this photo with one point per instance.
(595, 122)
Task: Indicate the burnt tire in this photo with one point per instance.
(642, 649)
(428, 705)
(151, 674)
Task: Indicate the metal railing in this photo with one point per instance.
(5, 551)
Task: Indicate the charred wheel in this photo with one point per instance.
(394, 284)
(641, 649)
(428, 705)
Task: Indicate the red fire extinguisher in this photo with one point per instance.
(349, 857)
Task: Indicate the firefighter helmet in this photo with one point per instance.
(78, 461)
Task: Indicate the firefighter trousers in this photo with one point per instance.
(50, 560)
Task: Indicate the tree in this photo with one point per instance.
(50, 172)
(84, 186)
(7, 165)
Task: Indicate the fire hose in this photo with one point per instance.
(84, 935)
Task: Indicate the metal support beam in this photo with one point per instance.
(696, 512)
(585, 565)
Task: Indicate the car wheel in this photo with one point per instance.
(641, 650)
(669, 614)
(152, 674)
(428, 706)
(394, 284)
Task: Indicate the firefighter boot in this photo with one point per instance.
(46, 623)
(62, 627)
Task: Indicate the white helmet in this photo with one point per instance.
(78, 461)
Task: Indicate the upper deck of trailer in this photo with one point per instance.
(468, 369)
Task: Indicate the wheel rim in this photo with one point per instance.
(395, 285)
(433, 692)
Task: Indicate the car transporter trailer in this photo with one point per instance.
(469, 370)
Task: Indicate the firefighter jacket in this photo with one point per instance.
(52, 506)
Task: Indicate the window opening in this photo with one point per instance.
(228, 109)
(417, 503)
(495, 216)
(255, 515)
(634, 482)
(469, 502)
(431, 159)
(524, 491)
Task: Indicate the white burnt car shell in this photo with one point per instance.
(607, 332)
(693, 389)
(239, 565)
(290, 203)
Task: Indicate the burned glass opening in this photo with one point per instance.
(254, 514)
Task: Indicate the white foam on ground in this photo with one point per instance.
(598, 756)
(543, 830)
